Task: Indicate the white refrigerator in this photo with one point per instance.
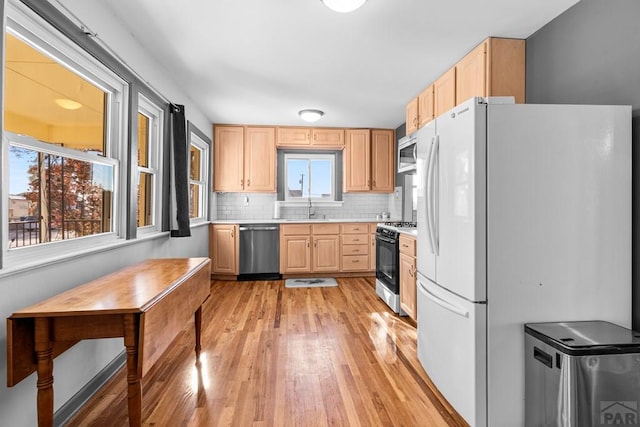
(524, 215)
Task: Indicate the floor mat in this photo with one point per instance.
(310, 283)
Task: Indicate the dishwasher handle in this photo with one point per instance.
(266, 228)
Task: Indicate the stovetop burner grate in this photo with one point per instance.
(401, 224)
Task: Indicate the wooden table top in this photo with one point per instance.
(133, 289)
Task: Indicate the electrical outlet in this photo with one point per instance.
(397, 193)
(246, 200)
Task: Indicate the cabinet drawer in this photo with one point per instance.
(295, 229)
(407, 245)
(355, 262)
(355, 239)
(355, 249)
(325, 229)
(354, 228)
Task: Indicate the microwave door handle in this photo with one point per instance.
(415, 152)
(428, 198)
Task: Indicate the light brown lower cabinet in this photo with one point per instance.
(223, 248)
(326, 248)
(408, 278)
(306, 248)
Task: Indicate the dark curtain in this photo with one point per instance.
(179, 174)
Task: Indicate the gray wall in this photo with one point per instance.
(591, 55)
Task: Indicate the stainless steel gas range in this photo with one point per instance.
(388, 262)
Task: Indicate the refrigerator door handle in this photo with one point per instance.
(428, 196)
(435, 160)
(443, 303)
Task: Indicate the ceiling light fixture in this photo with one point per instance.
(310, 115)
(343, 6)
(68, 104)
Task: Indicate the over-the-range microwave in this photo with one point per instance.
(407, 153)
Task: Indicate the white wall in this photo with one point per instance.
(77, 366)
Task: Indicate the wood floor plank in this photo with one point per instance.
(275, 356)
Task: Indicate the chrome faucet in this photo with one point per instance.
(309, 207)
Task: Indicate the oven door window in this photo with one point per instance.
(387, 263)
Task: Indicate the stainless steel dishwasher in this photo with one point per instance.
(259, 251)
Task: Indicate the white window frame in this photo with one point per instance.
(24, 24)
(292, 200)
(155, 114)
(203, 183)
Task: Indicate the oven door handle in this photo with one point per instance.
(385, 239)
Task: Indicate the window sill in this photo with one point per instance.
(43, 260)
(305, 203)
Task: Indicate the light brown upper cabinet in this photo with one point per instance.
(444, 92)
(244, 159)
(412, 115)
(382, 160)
(309, 137)
(357, 160)
(369, 162)
(419, 110)
(260, 159)
(496, 67)
(228, 158)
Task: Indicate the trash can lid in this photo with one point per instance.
(586, 338)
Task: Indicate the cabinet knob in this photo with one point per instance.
(374, 182)
(248, 183)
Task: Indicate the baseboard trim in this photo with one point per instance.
(73, 405)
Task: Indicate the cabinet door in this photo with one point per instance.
(357, 160)
(327, 137)
(260, 159)
(383, 171)
(408, 285)
(412, 116)
(224, 248)
(326, 253)
(471, 74)
(444, 92)
(372, 253)
(228, 158)
(506, 63)
(295, 253)
(292, 136)
(425, 107)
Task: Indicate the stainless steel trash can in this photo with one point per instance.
(580, 374)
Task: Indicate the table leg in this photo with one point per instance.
(134, 386)
(198, 325)
(44, 357)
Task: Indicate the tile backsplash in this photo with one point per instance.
(242, 206)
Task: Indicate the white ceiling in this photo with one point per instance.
(260, 61)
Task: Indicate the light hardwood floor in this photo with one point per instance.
(274, 356)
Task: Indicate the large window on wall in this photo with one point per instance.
(62, 131)
(150, 125)
(309, 177)
(199, 146)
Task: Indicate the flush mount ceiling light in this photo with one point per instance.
(310, 115)
(343, 6)
(68, 104)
